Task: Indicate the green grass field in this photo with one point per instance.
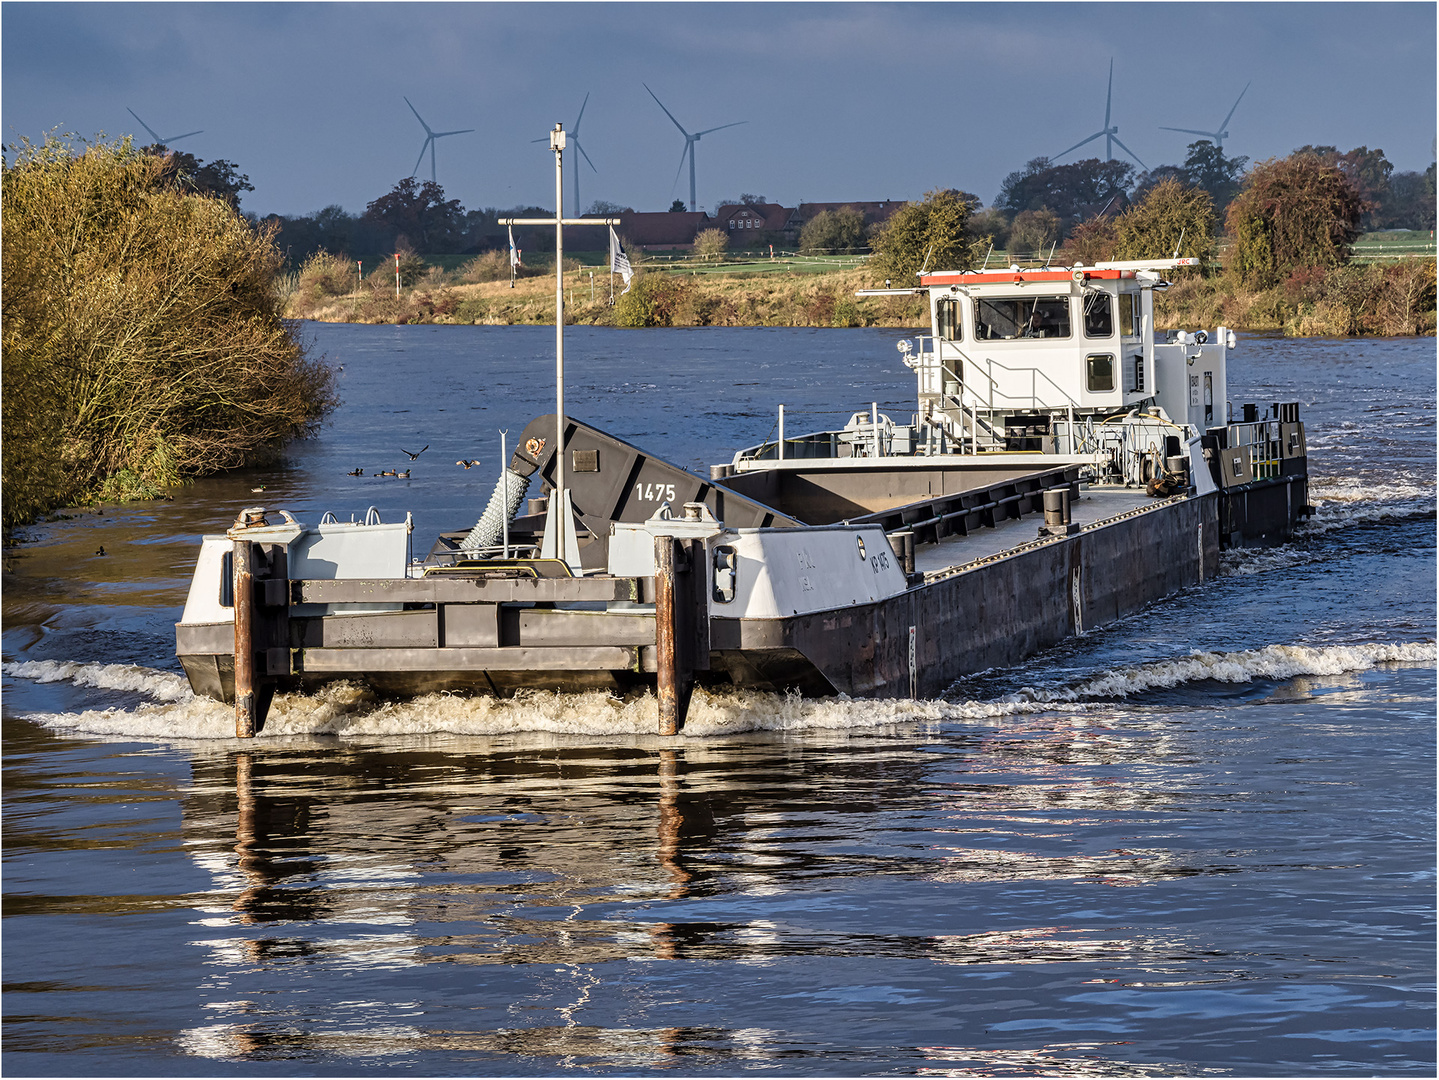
(1374, 247)
(1371, 247)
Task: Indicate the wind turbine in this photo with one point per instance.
(572, 138)
(159, 141)
(1110, 132)
(690, 141)
(1220, 135)
(429, 143)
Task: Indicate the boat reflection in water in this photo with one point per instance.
(567, 870)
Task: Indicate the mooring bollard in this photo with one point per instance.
(244, 641)
(667, 674)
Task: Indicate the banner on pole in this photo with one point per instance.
(619, 261)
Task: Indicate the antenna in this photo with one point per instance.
(690, 141)
(573, 138)
(1178, 244)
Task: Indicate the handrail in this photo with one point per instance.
(986, 368)
(1034, 373)
(1263, 439)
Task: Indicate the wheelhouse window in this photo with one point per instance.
(1098, 315)
(1129, 314)
(947, 320)
(1022, 317)
(1101, 372)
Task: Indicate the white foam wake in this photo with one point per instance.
(1339, 503)
(350, 711)
(1396, 487)
(1343, 501)
(1270, 662)
(159, 685)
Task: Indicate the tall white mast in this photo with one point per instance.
(559, 500)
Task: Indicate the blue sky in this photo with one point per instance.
(840, 101)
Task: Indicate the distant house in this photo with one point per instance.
(752, 223)
(746, 225)
(666, 230)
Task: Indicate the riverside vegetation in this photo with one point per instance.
(144, 341)
(1285, 266)
(145, 334)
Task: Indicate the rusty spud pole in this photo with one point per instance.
(244, 641)
(667, 678)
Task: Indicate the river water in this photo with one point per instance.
(1200, 841)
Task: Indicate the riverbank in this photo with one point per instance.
(1394, 299)
(657, 298)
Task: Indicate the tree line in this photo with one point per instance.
(1037, 207)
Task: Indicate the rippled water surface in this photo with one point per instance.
(1200, 841)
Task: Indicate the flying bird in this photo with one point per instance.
(467, 463)
(417, 453)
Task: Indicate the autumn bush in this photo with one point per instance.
(1293, 212)
(933, 232)
(324, 275)
(834, 232)
(1090, 242)
(654, 299)
(1172, 220)
(492, 266)
(711, 244)
(1033, 231)
(143, 341)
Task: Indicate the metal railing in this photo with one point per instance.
(1264, 440)
(986, 368)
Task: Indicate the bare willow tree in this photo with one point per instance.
(711, 244)
(142, 336)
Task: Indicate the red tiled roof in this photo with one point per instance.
(667, 228)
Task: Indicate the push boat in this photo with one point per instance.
(1066, 465)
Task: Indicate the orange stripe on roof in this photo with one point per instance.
(1013, 277)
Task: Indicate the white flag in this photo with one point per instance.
(619, 261)
(514, 253)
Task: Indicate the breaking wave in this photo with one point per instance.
(160, 685)
(345, 710)
(1341, 502)
(1397, 487)
(1270, 662)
